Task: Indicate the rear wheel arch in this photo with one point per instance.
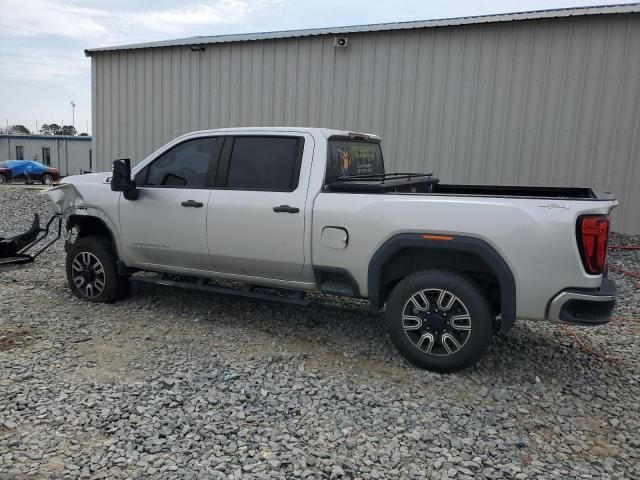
(407, 253)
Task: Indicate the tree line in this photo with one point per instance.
(46, 129)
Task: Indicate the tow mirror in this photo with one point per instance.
(121, 179)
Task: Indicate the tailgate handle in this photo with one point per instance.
(286, 208)
(192, 203)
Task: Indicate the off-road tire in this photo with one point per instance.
(96, 248)
(472, 299)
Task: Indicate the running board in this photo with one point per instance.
(296, 297)
(16, 260)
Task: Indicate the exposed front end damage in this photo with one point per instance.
(64, 197)
(19, 249)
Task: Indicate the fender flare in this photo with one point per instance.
(75, 214)
(456, 243)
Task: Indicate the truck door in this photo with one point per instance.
(256, 215)
(166, 225)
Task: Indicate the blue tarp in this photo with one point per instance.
(23, 167)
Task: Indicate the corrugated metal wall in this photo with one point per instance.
(70, 157)
(544, 102)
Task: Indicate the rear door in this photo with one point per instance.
(166, 225)
(256, 215)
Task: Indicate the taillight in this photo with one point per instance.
(593, 237)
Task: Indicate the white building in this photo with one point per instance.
(71, 155)
(539, 98)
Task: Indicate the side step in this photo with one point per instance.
(336, 288)
(295, 297)
(16, 260)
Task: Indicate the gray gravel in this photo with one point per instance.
(175, 384)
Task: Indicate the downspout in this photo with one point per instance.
(66, 154)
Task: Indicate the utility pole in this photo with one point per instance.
(73, 114)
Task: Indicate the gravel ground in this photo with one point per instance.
(177, 384)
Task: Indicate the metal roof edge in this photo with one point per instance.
(83, 138)
(273, 35)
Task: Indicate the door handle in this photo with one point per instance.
(192, 203)
(286, 208)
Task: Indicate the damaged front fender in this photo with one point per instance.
(64, 197)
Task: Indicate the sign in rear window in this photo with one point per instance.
(349, 158)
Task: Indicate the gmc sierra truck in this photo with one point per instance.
(284, 211)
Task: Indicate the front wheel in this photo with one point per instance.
(47, 179)
(91, 270)
(439, 320)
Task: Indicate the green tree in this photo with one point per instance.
(68, 130)
(50, 129)
(16, 130)
(55, 129)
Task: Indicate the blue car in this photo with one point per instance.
(27, 170)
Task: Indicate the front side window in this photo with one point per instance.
(185, 165)
(265, 163)
(19, 152)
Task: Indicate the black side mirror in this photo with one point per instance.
(121, 179)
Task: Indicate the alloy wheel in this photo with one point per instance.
(436, 321)
(88, 274)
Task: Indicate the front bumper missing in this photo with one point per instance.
(19, 249)
(584, 307)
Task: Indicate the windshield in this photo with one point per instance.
(352, 157)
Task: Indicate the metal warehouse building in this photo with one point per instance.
(71, 155)
(539, 98)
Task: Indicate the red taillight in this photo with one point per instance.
(593, 236)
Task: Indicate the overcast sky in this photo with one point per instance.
(43, 67)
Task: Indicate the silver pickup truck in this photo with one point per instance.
(284, 211)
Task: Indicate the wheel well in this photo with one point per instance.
(406, 253)
(90, 226)
(413, 259)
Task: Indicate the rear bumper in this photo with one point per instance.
(584, 306)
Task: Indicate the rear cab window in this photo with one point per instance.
(263, 163)
(352, 157)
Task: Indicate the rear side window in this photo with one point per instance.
(185, 165)
(351, 157)
(265, 163)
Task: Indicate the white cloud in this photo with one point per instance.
(32, 18)
(39, 18)
(176, 20)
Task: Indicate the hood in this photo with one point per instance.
(103, 177)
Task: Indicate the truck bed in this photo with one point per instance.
(428, 184)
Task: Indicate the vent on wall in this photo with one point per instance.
(340, 42)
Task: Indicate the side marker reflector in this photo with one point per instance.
(436, 237)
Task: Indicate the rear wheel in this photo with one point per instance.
(3, 179)
(439, 320)
(47, 179)
(91, 271)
